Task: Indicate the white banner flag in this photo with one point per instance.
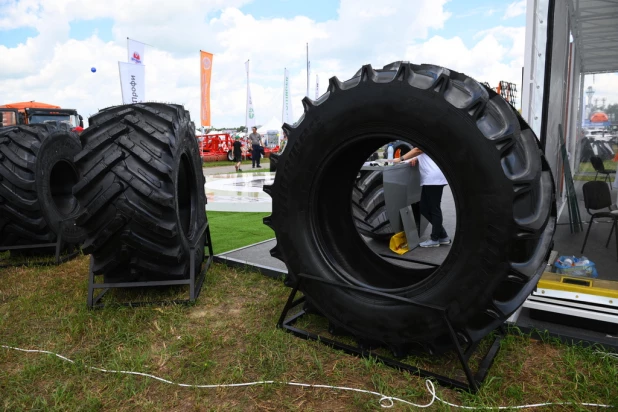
(135, 51)
(132, 82)
(317, 87)
(288, 116)
(250, 120)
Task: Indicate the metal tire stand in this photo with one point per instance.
(474, 380)
(195, 281)
(58, 245)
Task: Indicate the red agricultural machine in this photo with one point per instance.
(217, 147)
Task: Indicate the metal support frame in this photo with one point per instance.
(195, 281)
(474, 380)
(58, 245)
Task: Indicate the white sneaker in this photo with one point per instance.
(429, 243)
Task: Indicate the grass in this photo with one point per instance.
(220, 163)
(231, 230)
(587, 166)
(587, 173)
(229, 336)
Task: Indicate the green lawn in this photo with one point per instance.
(220, 163)
(229, 336)
(232, 230)
(587, 166)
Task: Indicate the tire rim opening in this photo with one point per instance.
(186, 198)
(62, 178)
(344, 209)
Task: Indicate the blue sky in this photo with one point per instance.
(468, 18)
(342, 35)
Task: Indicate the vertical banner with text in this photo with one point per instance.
(250, 120)
(288, 117)
(132, 83)
(205, 71)
(317, 87)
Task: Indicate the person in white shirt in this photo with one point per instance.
(432, 186)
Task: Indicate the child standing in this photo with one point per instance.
(237, 153)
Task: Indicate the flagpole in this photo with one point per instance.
(307, 69)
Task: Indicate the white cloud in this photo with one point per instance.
(497, 56)
(56, 69)
(515, 9)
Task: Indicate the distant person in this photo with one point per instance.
(237, 148)
(256, 143)
(284, 141)
(432, 186)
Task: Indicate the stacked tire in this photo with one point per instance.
(37, 175)
(369, 207)
(142, 192)
(500, 179)
(368, 203)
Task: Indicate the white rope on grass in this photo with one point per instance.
(606, 354)
(385, 401)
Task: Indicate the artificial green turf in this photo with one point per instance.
(232, 230)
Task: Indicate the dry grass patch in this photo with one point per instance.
(229, 336)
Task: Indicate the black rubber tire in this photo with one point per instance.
(369, 208)
(368, 204)
(37, 175)
(142, 192)
(502, 186)
(274, 159)
(230, 156)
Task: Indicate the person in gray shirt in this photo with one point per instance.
(256, 145)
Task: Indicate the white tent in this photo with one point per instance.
(272, 124)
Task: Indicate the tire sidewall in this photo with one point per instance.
(59, 146)
(187, 145)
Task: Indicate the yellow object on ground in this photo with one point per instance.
(399, 243)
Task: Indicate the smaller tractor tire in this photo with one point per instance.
(142, 192)
(230, 156)
(37, 175)
(369, 207)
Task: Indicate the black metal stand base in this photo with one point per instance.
(195, 281)
(58, 259)
(474, 380)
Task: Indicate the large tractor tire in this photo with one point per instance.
(274, 159)
(501, 182)
(37, 176)
(142, 192)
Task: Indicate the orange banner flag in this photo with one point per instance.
(205, 70)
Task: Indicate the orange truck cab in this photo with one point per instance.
(35, 112)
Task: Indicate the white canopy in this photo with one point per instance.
(272, 124)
